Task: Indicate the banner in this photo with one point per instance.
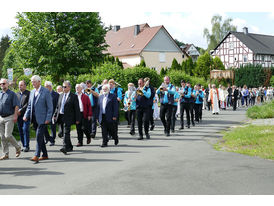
(10, 74)
(27, 71)
(219, 74)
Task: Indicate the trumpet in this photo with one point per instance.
(117, 84)
(139, 91)
(88, 90)
(163, 85)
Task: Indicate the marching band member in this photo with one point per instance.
(174, 111)
(199, 103)
(166, 100)
(130, 105)
(142, 102)
(151, 120)
(185, 93)
(191, 103)
(93, 94)
(105, 81)
(156, 114)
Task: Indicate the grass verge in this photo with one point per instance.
(253, 140)
(266, 110)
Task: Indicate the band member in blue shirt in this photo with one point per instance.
(166, 92)
(174, 110)
(198, 107)
(185, 93)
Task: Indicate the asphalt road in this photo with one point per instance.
(184, 163)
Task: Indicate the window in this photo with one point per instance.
(231, 45)
(162, 57)
(245, 58)
(262, 58)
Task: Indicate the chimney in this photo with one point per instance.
(136, 30)
(116, 28)
(245, 30)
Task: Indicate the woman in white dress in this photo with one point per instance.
(214, 97)
(223, 97)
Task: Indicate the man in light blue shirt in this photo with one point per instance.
(198, 107)
(166, 100)
(174, 110)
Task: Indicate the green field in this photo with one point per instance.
(266, 110)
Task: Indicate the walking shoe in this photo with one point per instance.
(92, 135)
(35, 159)
(172, 130)
(188, 126)
(79, 144)
(132, 133)
(18, 152)
(5, 157)
(182, 127)
(116, 142)
(88, 140)
(147, 136)
(152, 127)
(43, 158)
(141, 137)
(52, 144)
(26, 149)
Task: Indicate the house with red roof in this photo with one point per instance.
(154, 45)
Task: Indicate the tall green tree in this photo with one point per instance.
(218, 31)
(189, 66)
(203, 66)
(59, 43)
(217, 64)
(175, 65)
(4, 45)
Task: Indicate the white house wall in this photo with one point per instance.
(131, 60)
(240, 54)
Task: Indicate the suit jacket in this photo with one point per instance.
(55, 97)
(24, 101)
(43, 106)
(111, 109)
(235, 94)
(71, 109)
(86, 106)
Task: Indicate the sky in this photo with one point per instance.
(186, 25)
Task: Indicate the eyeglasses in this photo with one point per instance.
(2, 83)
(65, 87)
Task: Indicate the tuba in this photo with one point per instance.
(139, 91)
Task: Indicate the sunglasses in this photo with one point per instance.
(2, 83)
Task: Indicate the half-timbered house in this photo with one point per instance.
(240, 48)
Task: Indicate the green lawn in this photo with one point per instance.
(263, 111)
(252, 140)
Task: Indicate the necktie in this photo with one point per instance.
(63, 104)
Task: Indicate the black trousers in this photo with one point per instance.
(83, 128)
(67, 145)
(165, 115)
(198, 112)
(234, 102)
(191, 111)
(143, 117)
(208, 105)
(151, 120)
(184, 108)
(131, 119)
(53, 133)
(127, 117)
(108, 129)
(173, 116)
(93, 122)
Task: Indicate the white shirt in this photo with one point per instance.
(37, 91)
(105, 103)
(80, 102)
(65, 95)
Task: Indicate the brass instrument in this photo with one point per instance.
(117, 84)
(163, 85)
(139, 91)
(88, 90)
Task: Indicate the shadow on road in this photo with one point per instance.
(28, 171)
(6, 187)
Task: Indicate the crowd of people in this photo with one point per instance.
(91, 107)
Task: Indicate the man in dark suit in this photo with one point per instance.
(107, 115)
(39, 112)
(55, 97)
(235, 93)
(23, 127)
(67, 113)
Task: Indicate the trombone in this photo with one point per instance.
(139, 91)
(163, 85)
(88, 90)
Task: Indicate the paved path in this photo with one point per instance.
(184, 163)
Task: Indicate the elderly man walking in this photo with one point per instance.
(39, 112)
(9, 105)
